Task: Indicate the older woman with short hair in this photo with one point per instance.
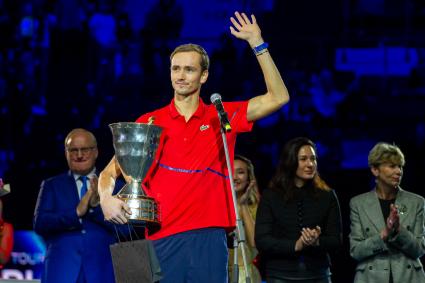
(387, 224)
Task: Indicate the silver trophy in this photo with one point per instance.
(135, 146)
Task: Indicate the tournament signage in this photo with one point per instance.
(26, 260)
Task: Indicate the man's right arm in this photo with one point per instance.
(113, 208)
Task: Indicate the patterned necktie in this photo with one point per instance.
(84, 188)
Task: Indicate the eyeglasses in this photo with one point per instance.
(83, 150)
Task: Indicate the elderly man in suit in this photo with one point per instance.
(387, 224)
(68, 217)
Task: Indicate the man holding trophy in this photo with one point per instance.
(189, 177)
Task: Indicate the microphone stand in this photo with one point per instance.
(239, 232)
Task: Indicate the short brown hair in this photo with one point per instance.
(384, 152)
(188, 47)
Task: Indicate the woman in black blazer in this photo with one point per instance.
(298, 219)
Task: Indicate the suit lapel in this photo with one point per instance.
(374, 211)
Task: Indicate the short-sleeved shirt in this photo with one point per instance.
(190, 178)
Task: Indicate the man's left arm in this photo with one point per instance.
(277, 94)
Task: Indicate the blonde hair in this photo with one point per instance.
(254, 195)
(384, 152)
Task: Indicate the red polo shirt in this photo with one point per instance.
(190, 180)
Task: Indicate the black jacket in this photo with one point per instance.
(279, 224)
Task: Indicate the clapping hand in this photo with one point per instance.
(244, 199)
(90, 198)
(392, 224)
(393, 221)
(83, 205)
(94, 198)
(309, 237)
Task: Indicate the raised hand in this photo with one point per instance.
(246, 29)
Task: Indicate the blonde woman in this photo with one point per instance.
(247, 197)
(387, 224)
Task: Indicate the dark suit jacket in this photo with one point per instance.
(399, 254)
(72, 244)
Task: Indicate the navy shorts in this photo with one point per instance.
(193, 256)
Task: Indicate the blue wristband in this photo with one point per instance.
(259, 48)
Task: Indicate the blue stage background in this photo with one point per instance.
(355, 70)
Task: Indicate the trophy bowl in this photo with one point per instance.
(135, 147)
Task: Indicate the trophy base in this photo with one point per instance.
(144, 210)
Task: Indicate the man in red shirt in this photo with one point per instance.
(190, 177)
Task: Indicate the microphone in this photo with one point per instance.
(216, 100)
